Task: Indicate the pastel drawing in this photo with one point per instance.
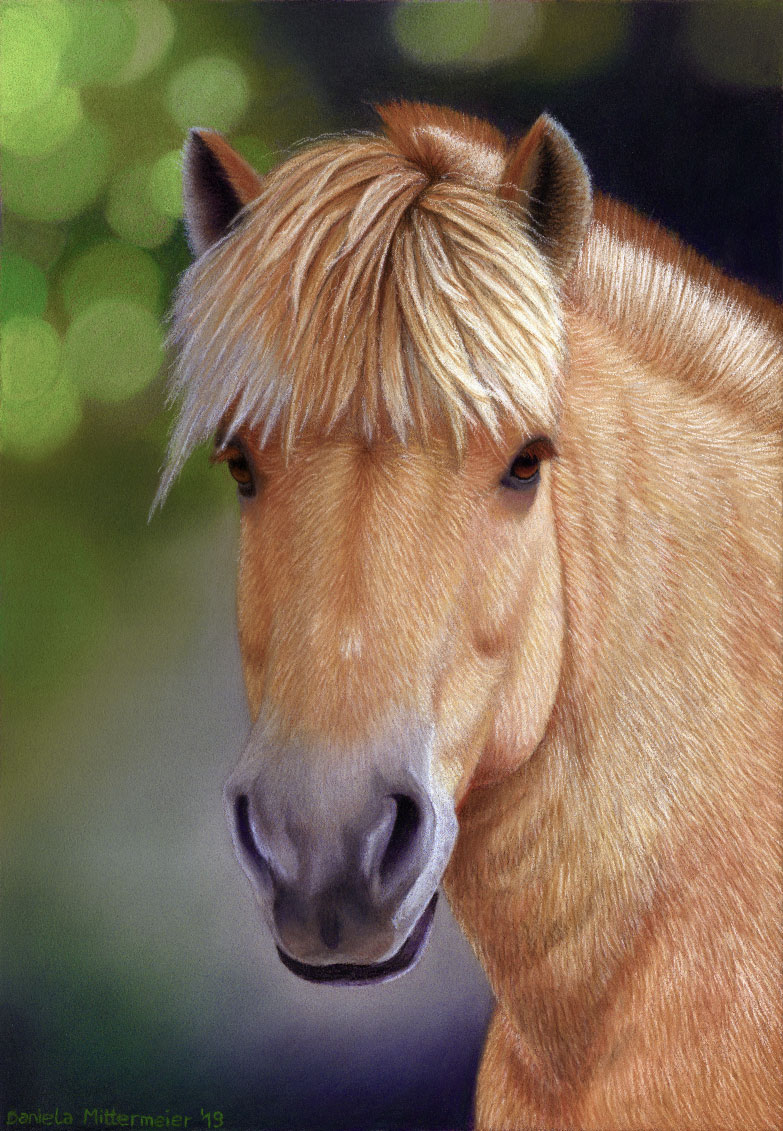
(509, 466)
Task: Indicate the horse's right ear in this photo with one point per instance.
(217, 183)
(546, 175)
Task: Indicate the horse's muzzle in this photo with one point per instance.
(344, 850)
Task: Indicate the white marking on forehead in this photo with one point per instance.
(351, 645)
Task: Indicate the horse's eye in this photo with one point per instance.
(238, 466)
(240, 471)
(523, 472)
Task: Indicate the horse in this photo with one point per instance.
(508, 458)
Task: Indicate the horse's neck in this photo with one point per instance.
(666, 510)
(714, 335)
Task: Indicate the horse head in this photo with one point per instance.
(374, 333)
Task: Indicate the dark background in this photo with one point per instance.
(135, 974)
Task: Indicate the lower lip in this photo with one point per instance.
(349, 974)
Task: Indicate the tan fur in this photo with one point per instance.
(600, 658)
(635, 946)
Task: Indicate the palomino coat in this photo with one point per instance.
(509, 603)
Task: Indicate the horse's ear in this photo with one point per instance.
(546, 175)
(216, 184)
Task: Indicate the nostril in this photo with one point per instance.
(245, 831)
(403, 836)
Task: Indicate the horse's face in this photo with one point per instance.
(400, 625)
(400, 608)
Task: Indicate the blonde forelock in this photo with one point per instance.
(355, 289)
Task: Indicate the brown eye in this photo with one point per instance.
(239, 467)
(524, 471)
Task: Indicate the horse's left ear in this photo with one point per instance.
(217, 183)
(546, 175)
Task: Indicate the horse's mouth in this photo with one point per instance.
(355, 974)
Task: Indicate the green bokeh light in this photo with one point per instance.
(113, 349)
(34, 429)
(44, 127)
(209, 91)
(155, 29)
(440, 34)
(551, 41)
(40, 408)
(575, 39)
(56, 16)
(23, 288)
(29, 360)
(165, 184)
(30, 52)
(112, 269)
(102, 41)
(59, 184)
(131, 212)
(512, 30)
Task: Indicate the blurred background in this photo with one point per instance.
(134, 972)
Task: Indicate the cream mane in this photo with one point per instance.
(681, 314)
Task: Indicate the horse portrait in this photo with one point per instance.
(509, 465)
